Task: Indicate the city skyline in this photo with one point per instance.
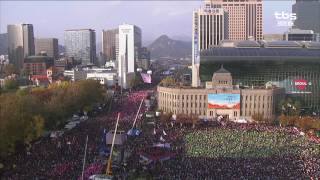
(163, 17)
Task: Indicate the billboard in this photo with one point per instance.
(224, 101)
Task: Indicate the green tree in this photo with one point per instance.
(168, 81)
(10, 69)
(11, 84)
(16, 116)
(290, 107)
(135, 81)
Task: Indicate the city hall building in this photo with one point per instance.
(221, 97)
(294, 66)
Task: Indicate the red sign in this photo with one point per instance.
(301, 84)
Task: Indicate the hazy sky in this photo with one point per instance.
(174, 18)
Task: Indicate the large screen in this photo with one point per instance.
(224, 101)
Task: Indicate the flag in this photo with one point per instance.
(146, 78)
(162, 139)
(164, 133)
(154, 131)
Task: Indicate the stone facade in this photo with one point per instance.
(188, 100)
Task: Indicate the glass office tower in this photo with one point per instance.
(81, 45)
(295, 69)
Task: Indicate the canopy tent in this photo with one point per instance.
(120, 137)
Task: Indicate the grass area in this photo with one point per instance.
(228, 143)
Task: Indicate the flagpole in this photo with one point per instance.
(84, 158)
(135, 120)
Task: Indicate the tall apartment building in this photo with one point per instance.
(308, 15)
(244, 18)
(20, 43)
(81, 45)
(129, 47)
(48, 45)
(210, 26)
(109, 44)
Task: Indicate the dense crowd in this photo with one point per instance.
(217, 150)
(62, 157)
(241, 151)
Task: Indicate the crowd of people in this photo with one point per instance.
(62, 157)
(218, 150)
(240, 151)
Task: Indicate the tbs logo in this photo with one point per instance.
(285, 16)
(301, 84)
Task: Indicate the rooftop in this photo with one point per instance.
(222, 70)
(312, 51)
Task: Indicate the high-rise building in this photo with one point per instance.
(210, 26)
(144, 59)
(81, 45)
(47, 45)
(109, 44)
(244, 18)
(308, 15)
(20, 43)
(129, 47)
(244, 22)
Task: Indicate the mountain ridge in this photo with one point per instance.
(164, 46)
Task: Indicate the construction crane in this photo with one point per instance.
(108, 175)
(109, 169)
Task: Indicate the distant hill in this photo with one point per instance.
(4, 43)
(167, 47)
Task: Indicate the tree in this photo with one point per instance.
(135, 81)
(194, 120)
(26, 113)
(165, 118)
(168, 81)
(11, 84)
(16, 116)
(10, 69)
(35, 128)
(258, 117)
(287, 120)
(290, 107)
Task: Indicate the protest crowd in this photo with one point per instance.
(211, 150)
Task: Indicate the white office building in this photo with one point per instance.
(129, 47)
(210, 26)
(106, 77)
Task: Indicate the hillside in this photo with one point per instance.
(167, 47)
